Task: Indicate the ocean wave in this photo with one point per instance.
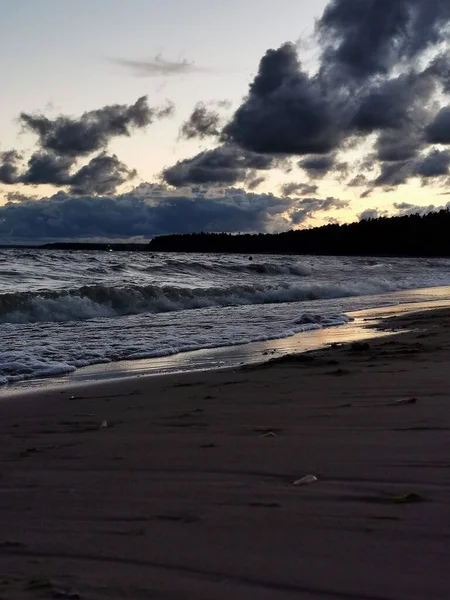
(103, 301)
(258, 268)
(298, 269)
(37, 361)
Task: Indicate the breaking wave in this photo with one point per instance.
(103, 301)
(35, 360)
(258, 268)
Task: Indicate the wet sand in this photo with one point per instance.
(189, 491)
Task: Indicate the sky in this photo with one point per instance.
(129, 120)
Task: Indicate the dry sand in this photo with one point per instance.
(188, 493)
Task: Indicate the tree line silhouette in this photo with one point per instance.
(410, 235)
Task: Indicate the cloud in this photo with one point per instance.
(151, 210)
(66, 136)
(284, 111)
(358, 181)
(147, 211)
(366, 38)
(47, 168)
(379, 86)
(432, 165)
(371, 213)
(9, 166)
(382, 70)
(254, 183)
(435, 164)
(102, 175)
(405, 209)
(438, 132)
(203, 122)
(18, 197)
(308, 207)
(299, 189)
(317, 166)
(63, 141)
(393, 174)
(224, 165)
(391, 104)
(401, 209)
(159, 66)
(395, 146)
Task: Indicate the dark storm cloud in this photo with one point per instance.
(92, 131)
(438, 132)
(47, 168)
(224, 165)
(102, 175)
(308, 207)
(317, 166)
(9, 166)
(158, 66)
(439, 68)
(62, 141)
(434, 165)
(389, 104)
(393, 174)
(147, 211)
(363, 38)
(392, 146)
(397, 110)
(284, 111)
(382, 67)
(203, 122)
(299, 189)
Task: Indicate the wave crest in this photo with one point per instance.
(258, 268)
(103, 301)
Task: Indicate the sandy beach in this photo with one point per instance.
(192, 486)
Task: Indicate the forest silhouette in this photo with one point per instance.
(410, 235)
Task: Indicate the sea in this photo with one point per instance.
(62, 311)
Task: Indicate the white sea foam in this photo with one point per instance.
(59, 356)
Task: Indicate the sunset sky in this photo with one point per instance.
(346, 118)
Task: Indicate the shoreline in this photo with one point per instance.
(192, 485)
(366, 324)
